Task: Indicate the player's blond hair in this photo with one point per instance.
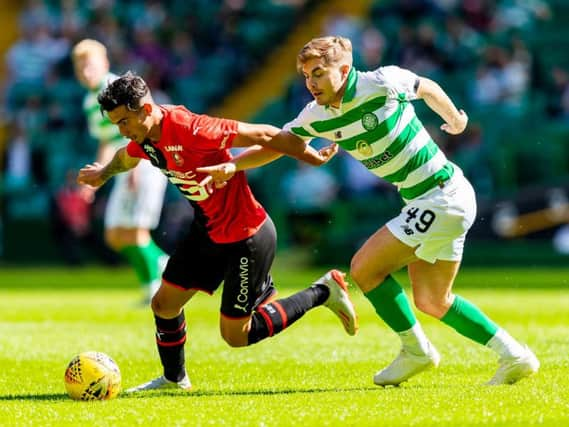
(87, 47)
(333, 49)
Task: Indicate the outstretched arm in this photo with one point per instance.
(96, 175)
(277, 140)
(438, 101)
(253, 157)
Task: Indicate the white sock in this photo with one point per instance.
(506, 346)
(414, 340)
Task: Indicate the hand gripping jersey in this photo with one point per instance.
(377, 125)
(188, 141)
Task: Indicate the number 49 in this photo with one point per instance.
(425, 220)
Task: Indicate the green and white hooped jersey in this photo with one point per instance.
(100, 127)
(377, 125)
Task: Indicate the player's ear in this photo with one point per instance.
(345, 70)
(147, 108)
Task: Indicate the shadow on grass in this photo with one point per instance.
(46, 397)
(268, 392)
(195, 393)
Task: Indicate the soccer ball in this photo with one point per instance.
(92, 376)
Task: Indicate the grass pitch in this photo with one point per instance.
(313, 374)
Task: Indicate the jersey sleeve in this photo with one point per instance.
(402, 82)
(134, 150)
(300, 126)
(212, 133)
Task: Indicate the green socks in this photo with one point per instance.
(392, 305)
(468, 320)
(144, 260)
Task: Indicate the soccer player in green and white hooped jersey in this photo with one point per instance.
(369, 114)
(136, 199)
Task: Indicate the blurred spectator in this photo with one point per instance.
(309, 192)
(558, 94)
(561, 240)
(71, 224)
(183, 57)
(423, 54)
(521, 14)
(18, 173)
(460, 43)
(372, 49)
(29, 61)
(502, 80)
(479, 14)
(148, 55)
(339, 24)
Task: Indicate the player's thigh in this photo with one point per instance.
(247, 276)
(379, 256)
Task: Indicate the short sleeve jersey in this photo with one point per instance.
(188, 141)
(99, 125)
(377, 125)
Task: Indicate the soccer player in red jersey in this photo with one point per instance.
(232, 239)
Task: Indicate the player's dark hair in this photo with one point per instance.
(127, 90)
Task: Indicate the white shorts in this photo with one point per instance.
(436, 223)
(139, 208)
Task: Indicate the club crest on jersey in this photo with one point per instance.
(364, 148)
(369, 121)
(155, 155)
(338, 134)
(179, 160)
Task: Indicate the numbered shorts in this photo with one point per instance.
(243, 267)
(436, 223)
(139, 208)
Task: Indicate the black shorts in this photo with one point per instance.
(244, 267)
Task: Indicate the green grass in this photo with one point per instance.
(311, 375)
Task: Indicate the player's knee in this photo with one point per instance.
(234, 339)
(361, 275)
(112, 239)
(432, 305)
(161, 309)
(356, 271)
(234, 332)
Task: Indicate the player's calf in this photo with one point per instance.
(272, 318)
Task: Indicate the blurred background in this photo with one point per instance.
(505, 62)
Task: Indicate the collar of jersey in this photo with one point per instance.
(350, 91)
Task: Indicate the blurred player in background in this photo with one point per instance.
(136, 199)
(232, 239)
(369, 115)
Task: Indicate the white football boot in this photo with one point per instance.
(339, 300)
(407, 365)
(513, 369)
(161, 383)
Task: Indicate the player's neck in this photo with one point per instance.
(337, 103)
(155, 132)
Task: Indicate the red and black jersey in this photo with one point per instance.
(189, 141)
